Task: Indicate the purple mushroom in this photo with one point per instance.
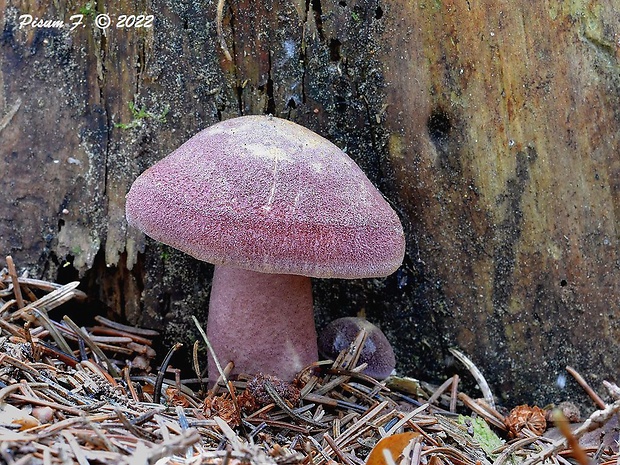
(377, 351)
(271, 204)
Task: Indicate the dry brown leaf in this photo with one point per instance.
(395, 444)
(11, 414)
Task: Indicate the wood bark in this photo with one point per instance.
(492, 127)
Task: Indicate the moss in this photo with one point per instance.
(88, 9)
(483, 434)
(140, 114)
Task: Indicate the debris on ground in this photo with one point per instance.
(74, 394)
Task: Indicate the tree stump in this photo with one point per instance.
(492, 129)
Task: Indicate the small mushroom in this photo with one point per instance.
(377, 351)
(271, 204)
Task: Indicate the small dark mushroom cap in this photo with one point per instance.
(377, 351)
(268, 195)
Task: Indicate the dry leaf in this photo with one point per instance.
(395, 444)
(10, 414)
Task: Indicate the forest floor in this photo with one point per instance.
(71, 394)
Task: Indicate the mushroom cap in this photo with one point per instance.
(377, 351)
(268, 195)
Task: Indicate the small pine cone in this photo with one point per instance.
(525, 417)
(246, 402)
(570, 411)
(223, 407)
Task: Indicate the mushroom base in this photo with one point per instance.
(262, 322)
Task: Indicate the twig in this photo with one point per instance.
(363, 421)
(210, 348)
(454, 393)
(405, 419)
(92, 346)
(196, 366)
(8, 327)
(348, 360)
(45, 403)
(49, 301)
(88, 415)
(75, 448)
(102, 437)
(220, 33)
(412, 452)
(341, 455)
(125, 328)
(228, 433)
(136, 430)
(43, 319)
(492, 416)
(37, 374)
(13, 274)
(282, 404)
(453, 453)
(130, 386)
(573, 443)
(512, 448)
(43, 285)
(477, 374)
(6, 119)
(586, 387)
(7, 391)
(277, 424)
(162, 371)
(613, 389)
(440, 390)
(178, 445)
(596, 420)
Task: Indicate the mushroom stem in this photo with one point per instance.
(262, 322)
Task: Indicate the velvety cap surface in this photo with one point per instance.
(377, 351)
(268, 195)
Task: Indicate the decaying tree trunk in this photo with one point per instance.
(493, 129)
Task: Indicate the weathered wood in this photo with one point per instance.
(492, 129)
(503, 126)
